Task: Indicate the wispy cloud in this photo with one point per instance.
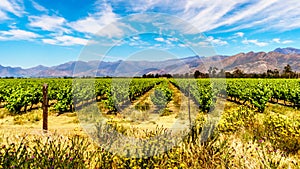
(276, 16)
(217, 42)
(38, 6)
(136, 41)
(168, 42)
(3, 16)
(205, 15)
(209, 15)
(17, 34)
(255, 42)
(159, 39)
(66, 40)
(278, 40)
(149, 5)
(239, 34)
(12, 6)
(49, 23)
(95, 22)
(287, 41)
(248, 14)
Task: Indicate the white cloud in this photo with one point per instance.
(159, 39)
(148, 5)
(38, 6)
(136, 38)
(17, 34)
(207, 15)
(12, 6)
(239, 34)
(254, 10)
(87, 25)
(216, 41)
(13, 25)
(138, 43)
(167, 41)
(173, 39)
(66, 40)
(255, 42)
(95, 23)
(3, 16)
(49, 23)
(115, 30)
(182, 45)
(277, 16)
(287, 41)
(278, 40)
(50, 41)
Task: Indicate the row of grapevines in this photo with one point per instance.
(113, 93)
(123, 91)
(162, 95)
(257, 92)
(254, 92)
(204, 92)
(19, 94)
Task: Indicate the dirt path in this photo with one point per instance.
(143, 113)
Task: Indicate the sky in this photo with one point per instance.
(44, 32)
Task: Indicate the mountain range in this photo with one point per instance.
(251, 62)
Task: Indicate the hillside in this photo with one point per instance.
(250, 62)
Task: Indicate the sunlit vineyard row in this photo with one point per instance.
(255, 93)
(21, 95)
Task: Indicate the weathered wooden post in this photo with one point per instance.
(45, 108)
(189, 106)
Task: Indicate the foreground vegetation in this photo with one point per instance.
(243, 139)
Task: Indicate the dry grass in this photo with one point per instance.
(31, 122)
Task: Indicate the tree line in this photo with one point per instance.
(214, 72)
(287, 72)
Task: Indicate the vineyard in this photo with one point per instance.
(259, 125)
(17, 95)
(22, 95)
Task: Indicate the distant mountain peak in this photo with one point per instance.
(193, 57)
(288, 50)
(40, 67)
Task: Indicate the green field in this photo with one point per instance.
(227, 123)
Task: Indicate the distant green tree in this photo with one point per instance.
(221, 73)
(197, 74)
(238, 73)
(288, 71)
(186, 75)
(276, 73)
(212, 71)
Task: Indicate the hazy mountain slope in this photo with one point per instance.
(250, 62)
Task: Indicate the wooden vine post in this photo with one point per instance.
(45, 107)
(189, 106)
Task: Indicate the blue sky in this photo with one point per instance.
(44, 32)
